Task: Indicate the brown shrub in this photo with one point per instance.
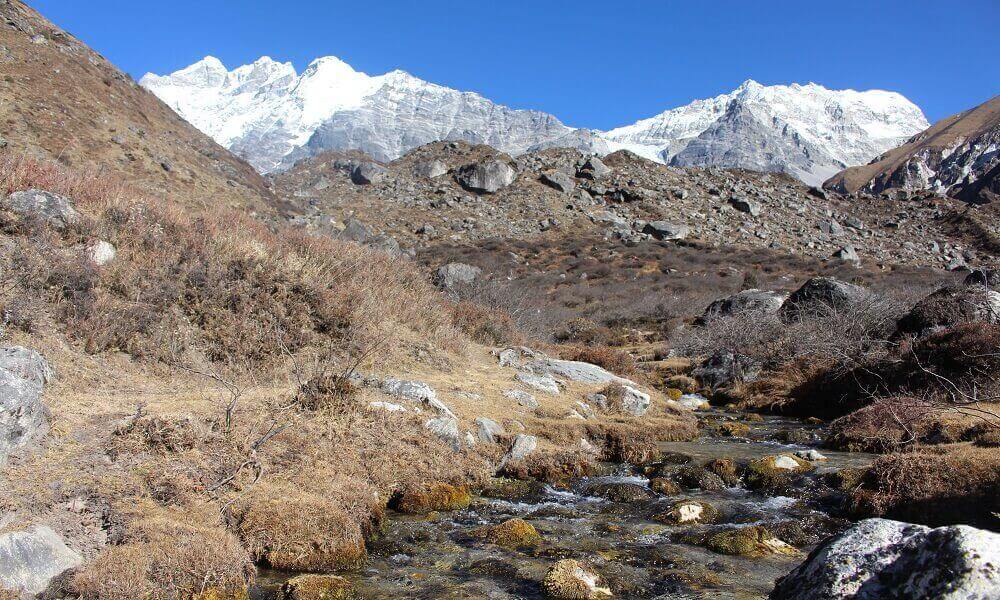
(884, 426)
(328, 391)
(947, 485)
(485, 325)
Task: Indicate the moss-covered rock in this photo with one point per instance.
(726, 469)
(209, 594)
(688, 512)
(844, 480)
(775, 472)
(673, 393)
(434, 497)
(664, 485)
(506, 488)
(513, 533)
(317, 587)
(699, 478)
(620, 492)
(570, 580)
(752, 542)
(732, 429)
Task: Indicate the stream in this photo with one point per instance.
(435, 557)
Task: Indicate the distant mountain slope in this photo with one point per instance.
(959, 156)
(804, 130)
(273, 116)
(60, 99)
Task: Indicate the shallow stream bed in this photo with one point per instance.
(635, 554)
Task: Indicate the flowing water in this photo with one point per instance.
(436, 557)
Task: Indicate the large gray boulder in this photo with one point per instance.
(820, 294)
(747, 301)
(32, 558)
(430, 169)
(486, 176)
(368, 173)
(51, 208)
(724, 368)
(454, 276)
(951, 306)
(559, 181)
(663, 230)
(879, 558)
(23, 416)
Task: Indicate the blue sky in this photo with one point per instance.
(592, 64)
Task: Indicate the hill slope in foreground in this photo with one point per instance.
(59, 99)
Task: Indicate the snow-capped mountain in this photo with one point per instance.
(273, 116)
(805, 130)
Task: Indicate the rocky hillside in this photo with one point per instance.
(959, 156)
(455, 193)
(273, 116)
(59, 99)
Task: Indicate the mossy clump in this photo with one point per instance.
(775, 472)
(664, 485)
(688, 512)
(726, 469)
(673, 393)
(751, 542)
(317, 587)
(844, 480)
(431, 498)
(513, 533)
(684, 383)
(505, 488)
(568, 579)
(733, 429)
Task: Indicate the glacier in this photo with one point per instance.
(272, 116)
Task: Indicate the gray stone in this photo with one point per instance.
(523, 398)
(523, 446)
(847, 253)
(747, 301)
(446, 428)
(743, 205)
(662, 230)
(573, 370)
(23, 416)
(355, 231)
(486, 176)
(831, 227)
(57, 211)
(820, 294)
(724, 368)
(32, 558)
(417, 392)
(879, 558)
(542, 383)
(634, 402)
(559, 181)
(453, 276)
(594, 168)
(430, 169)
(487, 430)
(368, 173)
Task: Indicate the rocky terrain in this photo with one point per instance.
(273, 116)
(959, 157)
(466, 374)
(59, 99)
(426, 199)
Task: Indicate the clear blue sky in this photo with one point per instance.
(591, 63)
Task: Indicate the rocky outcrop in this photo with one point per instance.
(820, 294)
(879, 558)
(752, 300)
(30, 559)
(957, 156)
(23, 416)
(486, 176)
(55, 210)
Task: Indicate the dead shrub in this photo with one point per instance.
(328, 391)
(886, 425)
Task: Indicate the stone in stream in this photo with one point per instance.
(810, 455)
(880, 558)
(317, 587)
(32, 558)
(512, 533)
(693, 401)
(752, 542)
(568, 579)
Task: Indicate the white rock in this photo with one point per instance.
(785, 462)
(487, 430)
(542, 383)
(693, 401)
(30, 559)
(689, 512)
(879, 558)
(810, 455)
(634, 402)
(386, 406)
(523, 398)
(101, 253)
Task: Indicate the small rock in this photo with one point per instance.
(454, 276)
(743, 205)
(662, 230)
(523, 446)
(693, 401)
(368, 173)
(810, 455)
(594, 168)
(101, 253)
(523, 398)
(559, 181)
(688, 512)
(847, 253)
(54, 209)
(317, 587)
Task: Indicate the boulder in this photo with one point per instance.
(417, 392)
(430, 169)
(688, 512)
(55, 210)
(593, 168)
(819, 294)
(743, 205)
(568, 579)
(355, 231)
(487, 430)
(662, 230)
(446, 428)
(542, 383)
(486, 176)
(752, 542)
(693, 401)
(559, 181)
(985, 277)
(831, 227)
(724, 368)
(522, 447)
(752, 300)
(879, 558)
(316, 587)
(951, 306)
(512, 533)
(847, 253)
(634, 402)
(368, 173)
(32, 558)
(573, 370)
(455, 275)
(23, 416)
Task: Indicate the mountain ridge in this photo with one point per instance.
(272, 115)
